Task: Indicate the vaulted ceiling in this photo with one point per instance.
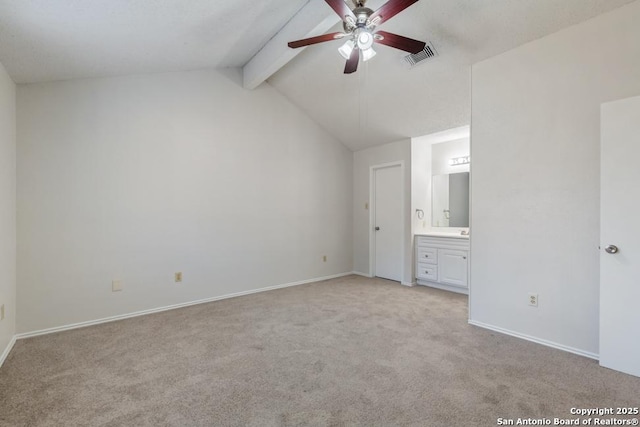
(45, 40)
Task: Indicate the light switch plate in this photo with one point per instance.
(116, 285)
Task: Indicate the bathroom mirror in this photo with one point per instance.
(450, 200)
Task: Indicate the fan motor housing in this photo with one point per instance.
(362, 15)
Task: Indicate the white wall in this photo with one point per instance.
(135, 178)
(421, 185)
(7, 208)
(362, 162)
(535, 198)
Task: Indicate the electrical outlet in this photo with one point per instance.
(2, 312)
(178, 277)
(324, 258)
(533, 300)
(116, 285)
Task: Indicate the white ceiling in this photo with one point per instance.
(45, 40)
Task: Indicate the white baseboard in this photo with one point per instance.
(409, 284)
(7, 350)
(536, 340)
(358, 273)
(170, 307)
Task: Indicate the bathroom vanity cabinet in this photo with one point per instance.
(442, 261)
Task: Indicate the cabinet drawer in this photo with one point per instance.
(428, 255)
(427, 272)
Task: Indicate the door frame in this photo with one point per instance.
(372, 216)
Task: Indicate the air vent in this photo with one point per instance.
(416, 58)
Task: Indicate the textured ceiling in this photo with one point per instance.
(386, 101)
(45, 40)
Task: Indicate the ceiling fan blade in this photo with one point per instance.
(399, 42)
(389, 10)
(316, 39)
(352, 62)
(341, 8)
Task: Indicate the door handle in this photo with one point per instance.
(612, 249)
(377, 228)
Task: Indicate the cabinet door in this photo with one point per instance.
(452, 267)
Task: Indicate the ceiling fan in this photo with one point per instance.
(360, 31)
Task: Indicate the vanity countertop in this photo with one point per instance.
(444, 234)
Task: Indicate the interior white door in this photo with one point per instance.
(620, 229)
(388, 222)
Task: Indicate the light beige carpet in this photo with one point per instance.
(349, 351)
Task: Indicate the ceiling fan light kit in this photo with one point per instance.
(368, 54)
(346, 49)
(365, 39)
(360, 29)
